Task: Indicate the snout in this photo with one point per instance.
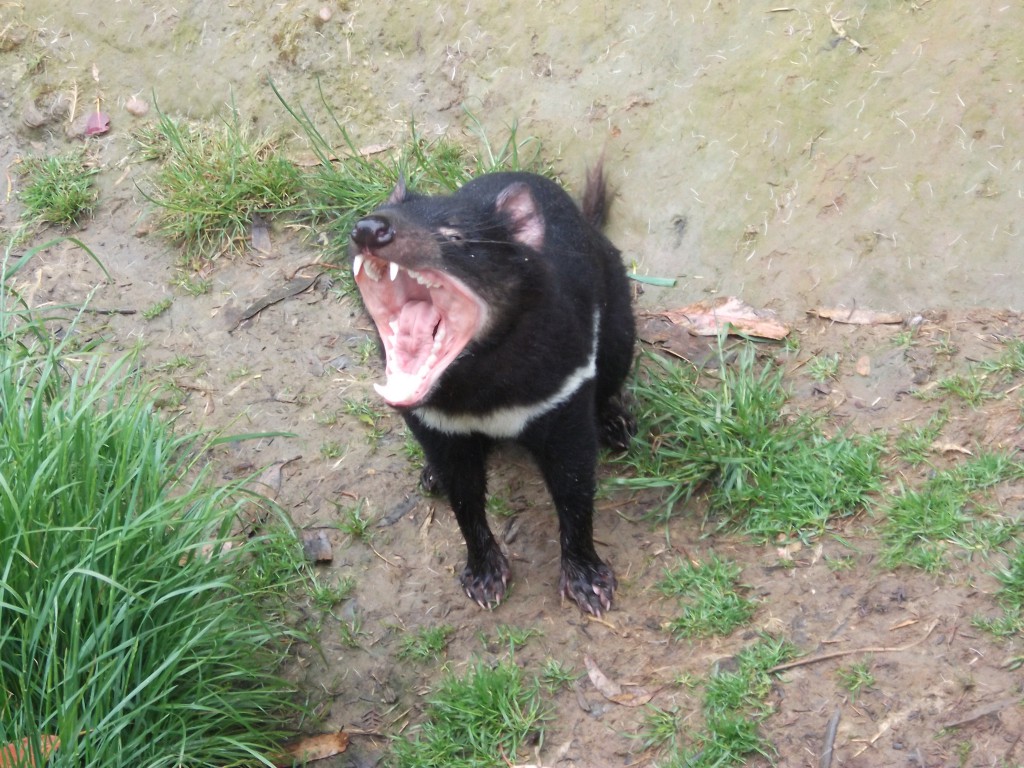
(373, 232)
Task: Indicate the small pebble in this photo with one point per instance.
(325, 14)
(137, 106)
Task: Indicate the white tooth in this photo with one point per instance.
(372, 270)
(393, 325)
(394, 271)
(357, 264)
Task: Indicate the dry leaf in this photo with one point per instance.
(15, 754)
(626, 695)
(311, 748)
(855, 316)
(260, 235)
(951, 448)
(729, 314)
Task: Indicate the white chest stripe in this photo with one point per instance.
(512, 420)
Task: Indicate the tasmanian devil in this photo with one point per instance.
(504, 314)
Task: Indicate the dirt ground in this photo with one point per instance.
(866, 155)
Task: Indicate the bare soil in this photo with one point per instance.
(760, 152)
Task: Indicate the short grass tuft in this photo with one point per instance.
(426, 644)
(709, 594)
(922, 524)
(213, 181)
(478, 720)
(58, 189)
(735, 703)
(767, 472)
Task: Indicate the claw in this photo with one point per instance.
(591, 585)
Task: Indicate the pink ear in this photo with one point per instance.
(526, 222)
(399, 193)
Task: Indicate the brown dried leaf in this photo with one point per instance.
(626, 695)
(311, 748)
(17, 754)
(951, 448)
(260, 236)
(728, 313)
(855, 316)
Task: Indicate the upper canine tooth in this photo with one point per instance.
(394, 271)
(357, 264)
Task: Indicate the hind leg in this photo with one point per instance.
(616, 426)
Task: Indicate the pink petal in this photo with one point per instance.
(98, 122)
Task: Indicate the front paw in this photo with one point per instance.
(590, 584)
(485, 584)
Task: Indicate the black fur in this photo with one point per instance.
(544, 272)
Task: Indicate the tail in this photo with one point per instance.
(595, 196)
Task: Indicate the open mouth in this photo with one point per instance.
(425, 318)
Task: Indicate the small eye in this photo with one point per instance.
(451, 235)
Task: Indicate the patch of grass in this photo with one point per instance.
(659, 730)
(513, 637)
(411, 448)
(341, 190)
(499, 506)
(426, 644)
(59, 189)
(734, 704)
(350, 631)
(855, 678)
(556, 675)
(824, 367)
(922, 524)
(176, 363)
(1010, 363)
(332, 449)
(914, 446)
(168, 396)
(354, 524)
(325, 596)
(372, 416)
(124, 612)
(1010, 597)
(157, 309)
(771, 474)
(969, 387)
(192, 284)
(478, 720)
(710, 598)
(213, 180)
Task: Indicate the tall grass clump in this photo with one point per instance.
(129, 632)
(765, 471)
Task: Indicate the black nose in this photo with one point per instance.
(373, 232)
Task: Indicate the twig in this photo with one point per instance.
(830, 740)
(378, 554)
(850, 652)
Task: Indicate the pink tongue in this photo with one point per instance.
(414, 337)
